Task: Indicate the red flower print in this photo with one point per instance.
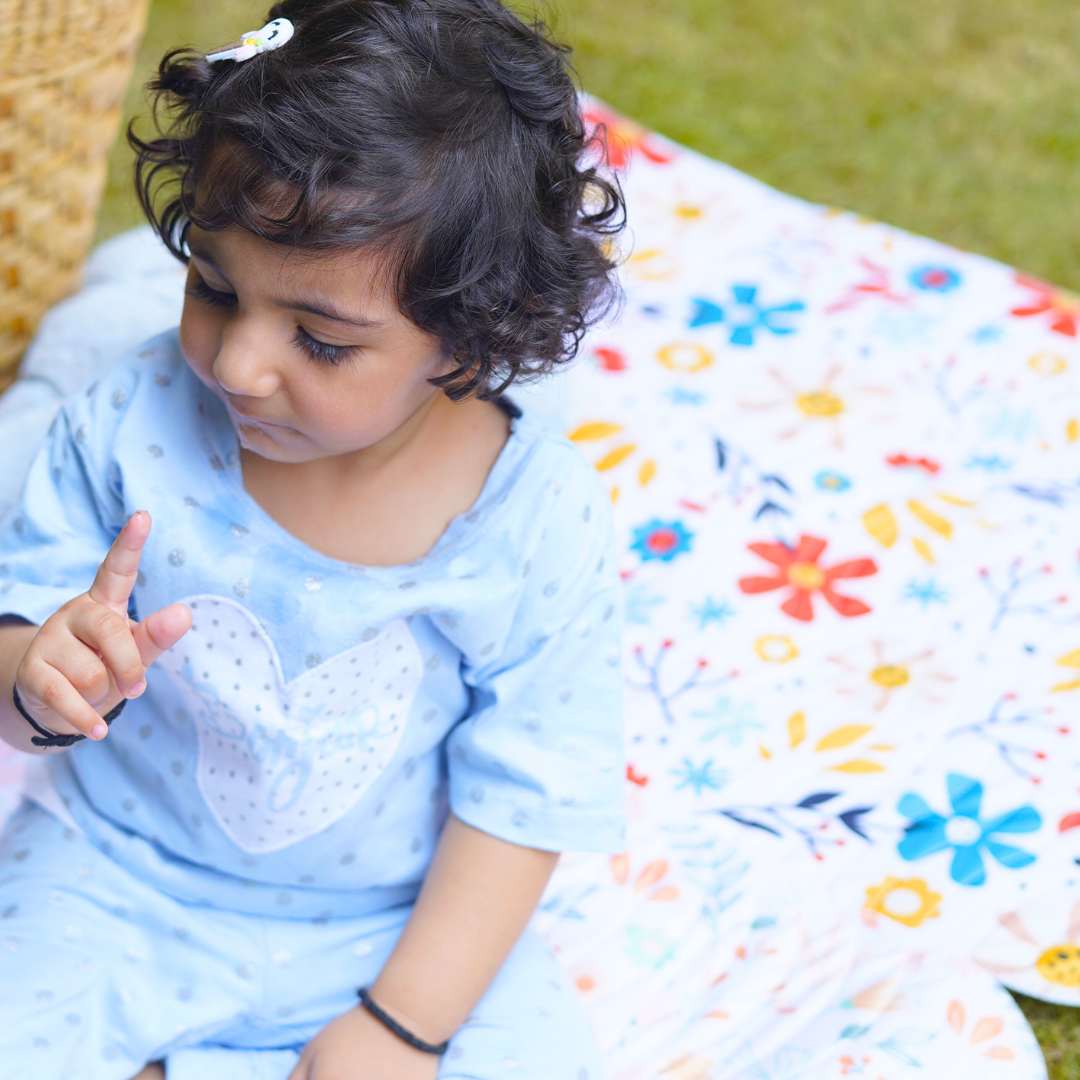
(621, 137)
(800, 571)
(1064, 307)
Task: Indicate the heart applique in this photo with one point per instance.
(280, 761)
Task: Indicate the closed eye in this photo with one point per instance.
(318, 350)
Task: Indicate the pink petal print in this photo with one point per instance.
(987, 1028)
(956, 1016)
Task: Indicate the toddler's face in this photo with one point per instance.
(257, 330)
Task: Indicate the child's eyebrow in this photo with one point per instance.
(323, 308)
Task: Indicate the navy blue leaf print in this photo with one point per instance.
(748, 823)
(770, 507)
(770, 478)
(851, 819)
(721, 455)
(816, 799)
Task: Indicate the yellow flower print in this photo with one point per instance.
(776, 648)
(904, 900)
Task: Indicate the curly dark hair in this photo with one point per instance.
(443, 136)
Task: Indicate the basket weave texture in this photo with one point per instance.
(64, 69)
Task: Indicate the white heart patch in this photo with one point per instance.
(280, 761)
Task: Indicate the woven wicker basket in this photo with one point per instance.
(64, 68)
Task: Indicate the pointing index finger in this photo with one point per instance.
(119, 569)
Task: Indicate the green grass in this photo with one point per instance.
(956, 120)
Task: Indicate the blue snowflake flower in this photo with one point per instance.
(964, 832)
(712, 611)
(746, 316)
(700, 776)
(926, 592)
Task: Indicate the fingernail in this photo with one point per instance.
(135, 691)
(100, 731)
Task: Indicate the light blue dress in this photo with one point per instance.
(294, 758)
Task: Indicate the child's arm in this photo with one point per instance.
(477, 897)
(15, 638)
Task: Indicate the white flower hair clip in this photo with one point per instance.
(272, 36)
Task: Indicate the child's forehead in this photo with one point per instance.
(241, 254)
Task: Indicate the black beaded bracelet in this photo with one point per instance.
(397, 1029)
(52, 738)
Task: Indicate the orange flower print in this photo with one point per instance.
(621, 137)
(1062, 307)
(798, 570)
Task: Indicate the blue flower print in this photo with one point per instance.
(658, 539)
(830, 480)
(746, 315)
(964, 832)
(934, 278)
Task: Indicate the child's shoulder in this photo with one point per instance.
(123, 379)
(564, 502)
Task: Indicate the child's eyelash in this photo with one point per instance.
(320, 350)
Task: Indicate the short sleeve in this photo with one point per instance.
(539, 758)
(70, 507)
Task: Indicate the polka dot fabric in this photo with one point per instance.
(298, 751)
(101, 973)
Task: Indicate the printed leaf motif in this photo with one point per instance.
(1069, 821)
(747, 822)
(595, 429)
(858, 765)
(772, 479)
(927, 516)
(796, 727)
(646, 472)
(880, 523)
(616, 456)
(851, 819)
(721, 455)
(816, 799)
(770, 508)
(844, 735)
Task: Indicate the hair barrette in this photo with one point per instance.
(252, 42)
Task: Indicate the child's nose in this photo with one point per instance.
(243, 369)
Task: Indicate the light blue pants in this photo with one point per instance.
(100, 974)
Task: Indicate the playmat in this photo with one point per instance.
(844, 462)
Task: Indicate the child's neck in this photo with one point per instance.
(394, 513)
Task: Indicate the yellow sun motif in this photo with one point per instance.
(1060, 964)
(904, 900)
(888, 675)
(819, 403)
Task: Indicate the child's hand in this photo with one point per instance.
(89, 655)
(356, 1046)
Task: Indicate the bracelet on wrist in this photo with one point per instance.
(400, 1031)
(53, 738)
